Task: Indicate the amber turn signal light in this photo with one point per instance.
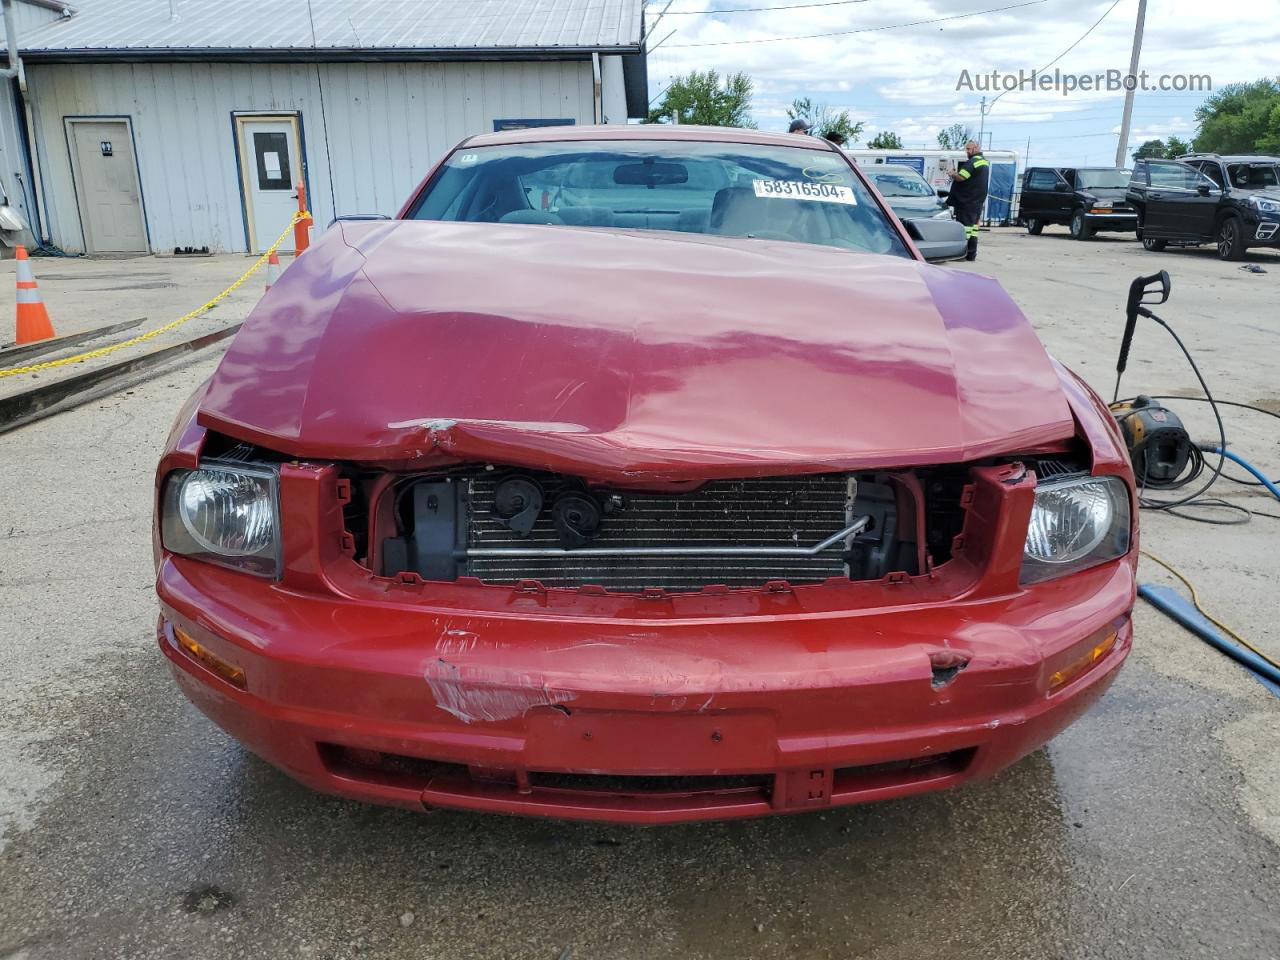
(1060, 678)
(211, 661)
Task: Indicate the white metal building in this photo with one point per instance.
(162, 124)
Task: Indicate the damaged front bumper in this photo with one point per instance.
(644, 720)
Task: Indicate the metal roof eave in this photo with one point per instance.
(315, 54)
(57, 6)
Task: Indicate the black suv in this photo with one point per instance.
(1086, 199)
(1232, 202)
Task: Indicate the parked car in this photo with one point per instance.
(1084, 199)
(908, 194)
(708, 499)
(1231, 202)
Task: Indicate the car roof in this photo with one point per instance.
(1233, 158)
(649, 131)
(889, 168)
(1069, 167)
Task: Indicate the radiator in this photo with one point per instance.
(768, 512)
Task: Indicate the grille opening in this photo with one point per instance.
(895, 772)
(512, 526)
(385, 769)
(418, 773)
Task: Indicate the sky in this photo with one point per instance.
(904, 78)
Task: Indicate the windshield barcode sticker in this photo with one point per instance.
(799, 190)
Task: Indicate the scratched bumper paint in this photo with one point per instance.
(777, 697)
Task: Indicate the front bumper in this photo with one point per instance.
(637, 720)
(1112, 221)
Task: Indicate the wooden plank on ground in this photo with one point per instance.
(14, 356)
(38, 402)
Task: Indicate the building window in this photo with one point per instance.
(271, 151)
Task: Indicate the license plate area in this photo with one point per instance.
(625, 742)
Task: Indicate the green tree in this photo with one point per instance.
(1240, 118)
(886, 140)
(1175, 147)
(823, 120)
(1152, 148)
(701, 97)
(954, 137)
(1270, 141)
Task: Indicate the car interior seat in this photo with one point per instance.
(694, 221)
(738, 212)
(531, 216)
(586, 216)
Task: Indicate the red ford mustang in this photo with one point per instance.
(642, 474)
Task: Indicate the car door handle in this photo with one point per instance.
(1155, 196)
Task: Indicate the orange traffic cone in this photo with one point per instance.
(33, 318)
(273, 269)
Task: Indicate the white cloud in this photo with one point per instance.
(905, 80)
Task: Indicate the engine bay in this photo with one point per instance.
(509, 526)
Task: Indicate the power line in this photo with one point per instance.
(1070, 48)
(845, 33)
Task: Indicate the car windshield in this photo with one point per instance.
(728, 189)
(1112, 178)
(1254, 176)
(898, 183)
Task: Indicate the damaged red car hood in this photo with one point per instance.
(625, 355)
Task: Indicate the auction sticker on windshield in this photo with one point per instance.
(799, 190)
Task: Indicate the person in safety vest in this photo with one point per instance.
(969, 193)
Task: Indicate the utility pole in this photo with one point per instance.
(982, 123)
(1123, 145)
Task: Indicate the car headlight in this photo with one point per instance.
(1265, 205)
(943, 214)
(226, 514)
(1075, 524)
(1102, 204)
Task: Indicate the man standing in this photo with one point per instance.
(969, 193)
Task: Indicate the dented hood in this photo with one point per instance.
(625, 355)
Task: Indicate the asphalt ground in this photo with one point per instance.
(130, 827)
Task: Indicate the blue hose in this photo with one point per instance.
(1172, 605)
(1266, 482)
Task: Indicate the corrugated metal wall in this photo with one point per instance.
(16, 184)
(15, 178)
(387, 123)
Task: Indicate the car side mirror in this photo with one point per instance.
(943, 193)
(938, 239)
(1061, 187)
(1202, 189)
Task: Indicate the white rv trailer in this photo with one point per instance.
(934, 165)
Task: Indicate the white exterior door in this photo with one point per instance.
(271, 169)
(107, 190)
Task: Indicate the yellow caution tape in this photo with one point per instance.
(173, 324)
